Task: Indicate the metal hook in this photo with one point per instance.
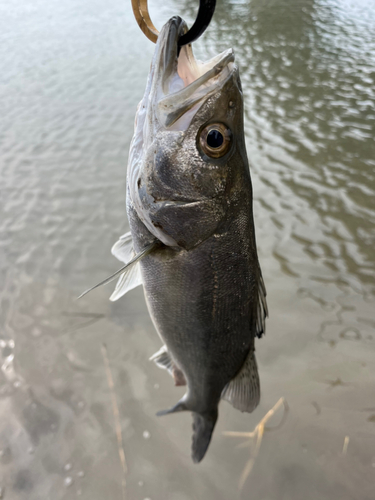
(205, 13)
(140, 10)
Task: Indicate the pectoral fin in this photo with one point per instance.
(123, 248)
(125, 269)
(130, 279)
(243, 391)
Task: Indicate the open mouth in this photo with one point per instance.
(184, 82)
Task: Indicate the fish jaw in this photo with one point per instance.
(181, 82)
(177, 88)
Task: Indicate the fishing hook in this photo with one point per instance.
(205, 13)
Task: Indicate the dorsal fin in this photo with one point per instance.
(243, 391)
(262, 309)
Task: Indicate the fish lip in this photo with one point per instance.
(168, 47)
(173, 106)
(183, 82)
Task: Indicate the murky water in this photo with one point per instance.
(71, 76)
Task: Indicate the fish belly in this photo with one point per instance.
(201, 304)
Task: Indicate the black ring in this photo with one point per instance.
(205, 13)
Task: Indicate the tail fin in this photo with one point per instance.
(180, 406)
(203, 426)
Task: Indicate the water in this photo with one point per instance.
(71, 76)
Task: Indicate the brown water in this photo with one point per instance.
(71, 76)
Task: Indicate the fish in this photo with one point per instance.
(192, 240)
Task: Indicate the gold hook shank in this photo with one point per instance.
(140, 9)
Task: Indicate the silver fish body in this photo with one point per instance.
(202, 280)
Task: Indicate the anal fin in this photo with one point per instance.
(243, 391)
(262, 309)
(163, 359)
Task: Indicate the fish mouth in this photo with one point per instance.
(181, 82)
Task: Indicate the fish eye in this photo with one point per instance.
(215, 140)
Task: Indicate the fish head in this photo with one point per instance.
(189, 136)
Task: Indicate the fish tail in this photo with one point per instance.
(180, 406)
(203, 426)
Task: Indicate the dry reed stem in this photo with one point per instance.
(257, 433)
(345, 447)
(116, 415)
